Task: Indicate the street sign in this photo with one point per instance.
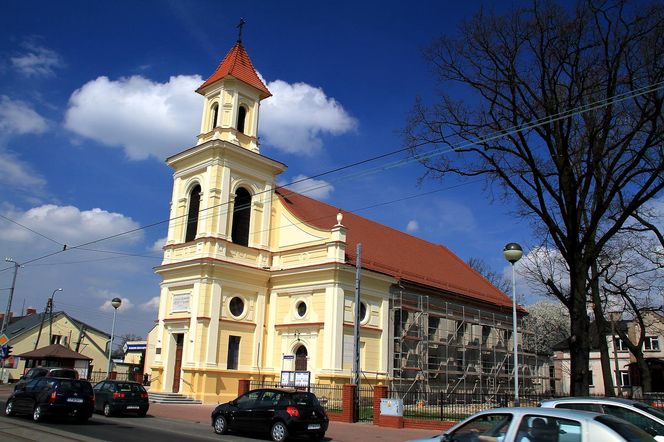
(3, 339)
(3, 352)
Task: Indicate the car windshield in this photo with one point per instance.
(304, 399)
(630, 432)
(75, 386)
(650, 410)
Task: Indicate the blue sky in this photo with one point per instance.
(94, 96)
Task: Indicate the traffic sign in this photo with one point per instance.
(3, 352)
(3, 339)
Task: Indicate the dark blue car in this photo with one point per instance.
(45, 397)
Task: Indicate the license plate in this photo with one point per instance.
(132, 407)
(76, 400)
(313, 427)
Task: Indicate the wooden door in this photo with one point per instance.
(301, 358)
(179, 343)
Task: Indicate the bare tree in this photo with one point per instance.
(563, 111)
(498, 280)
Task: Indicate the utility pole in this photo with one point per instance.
(41, 323)
(356, 330)
(5, 320)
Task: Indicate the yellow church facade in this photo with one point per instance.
(257, 280)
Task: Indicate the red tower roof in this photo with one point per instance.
(237, 64)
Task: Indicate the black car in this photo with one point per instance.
(46, 396)
(114, 397)
(281, 412)
(49, 372)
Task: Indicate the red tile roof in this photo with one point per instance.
(391, 252)
(237, 64)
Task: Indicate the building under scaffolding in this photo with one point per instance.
(460, 349)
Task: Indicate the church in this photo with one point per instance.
(258, 280)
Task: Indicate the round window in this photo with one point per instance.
(236, 306)
(363, 312)
(301, 309)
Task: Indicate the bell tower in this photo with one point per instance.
(232, 100)
(218, 245)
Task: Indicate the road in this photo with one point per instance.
(101, 428)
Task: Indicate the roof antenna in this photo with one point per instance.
(239, 26)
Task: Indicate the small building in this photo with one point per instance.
(623, 362)
(31, 332)
(56, 355)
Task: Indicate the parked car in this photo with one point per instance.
(114, 397)
(51, 372)
(541, 425)
(281, 412)
(642, 415)
(45, 396)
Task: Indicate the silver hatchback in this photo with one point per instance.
(541, 425)
(642, 415)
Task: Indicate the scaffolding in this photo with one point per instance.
(460, 349)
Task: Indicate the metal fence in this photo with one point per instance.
(440, 405)
(100, 375)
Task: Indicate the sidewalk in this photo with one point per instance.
(337, 431)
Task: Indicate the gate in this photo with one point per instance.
(366, 411)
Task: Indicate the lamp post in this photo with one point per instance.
(513, 252)
(5, 320)
(115, 303)
(50, 319)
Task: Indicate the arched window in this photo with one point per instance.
(241, 116)
(215, 116)
(301, 358)
(241, 217)
(192, 216)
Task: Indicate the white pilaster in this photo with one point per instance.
(213, 329)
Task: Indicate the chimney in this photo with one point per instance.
(30, 311)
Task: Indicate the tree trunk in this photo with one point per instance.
(580, 340)
(603, 330)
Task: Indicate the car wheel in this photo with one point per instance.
(38, 414)
(220, 425)
(9, 408)
(107, 410)
(279, 432)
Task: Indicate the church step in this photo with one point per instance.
(172, 398)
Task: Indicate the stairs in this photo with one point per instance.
(172, 398)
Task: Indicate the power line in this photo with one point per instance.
(427, 155)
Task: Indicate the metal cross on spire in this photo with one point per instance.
(239, 26)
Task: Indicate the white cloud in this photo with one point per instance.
(143, 117)
(37, 61)
(18, 117)
(18, 174)
(152, 305)
(125, 306)
(68, 225)
(158, 246)
(297, 115)
(412, 226)
(313, 188)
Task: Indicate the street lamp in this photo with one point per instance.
(513, 252)
(115, 302)
(50, 313)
